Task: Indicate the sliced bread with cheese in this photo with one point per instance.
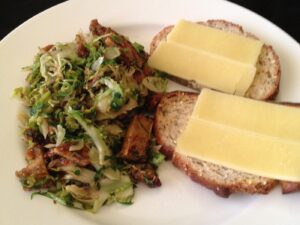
(171, 117)
(265, 85)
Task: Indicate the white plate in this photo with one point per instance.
(179, 200)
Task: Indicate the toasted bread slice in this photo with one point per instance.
(171, 117)
(265, 85)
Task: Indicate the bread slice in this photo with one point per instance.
(171, 117)
(265, 85)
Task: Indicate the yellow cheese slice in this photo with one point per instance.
(243, 134)
(266, 118)
(227, 44)
(242, 150)
(205, 68)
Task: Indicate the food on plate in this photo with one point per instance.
(175, 50)
(245, 117)
(88, 123)
(83, 101)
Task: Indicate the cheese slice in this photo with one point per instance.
(205, 68)
(265, 118)
(244, 134)
(241, 149)
(228, 44)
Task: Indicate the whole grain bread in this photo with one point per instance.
(171, 117)
(265, 85)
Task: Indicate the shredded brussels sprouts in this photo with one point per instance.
(80, 97)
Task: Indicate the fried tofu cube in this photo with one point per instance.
(136, 141)
(144, 172)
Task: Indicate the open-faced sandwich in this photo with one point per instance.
(225, 142)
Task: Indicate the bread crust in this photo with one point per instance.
(222, 189)
(265, 85)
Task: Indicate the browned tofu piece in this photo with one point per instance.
(137, 139)
(36, 165)
(80, 157)
(144, 172)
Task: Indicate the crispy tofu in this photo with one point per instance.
(144, 172)
(137, 139)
